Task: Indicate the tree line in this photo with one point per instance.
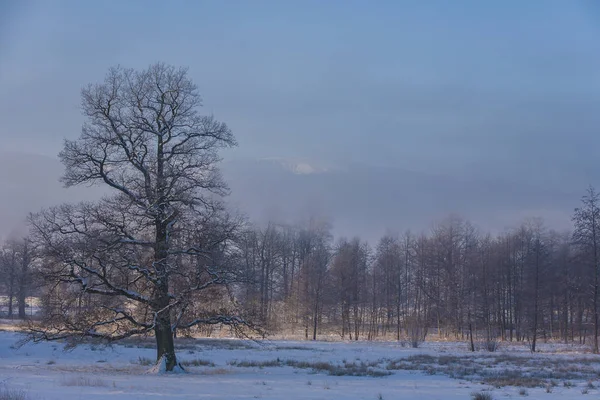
(163, 256)
(455, 282)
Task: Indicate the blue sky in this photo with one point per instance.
(500, 89)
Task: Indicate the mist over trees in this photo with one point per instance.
(528, 284)
(164, 256)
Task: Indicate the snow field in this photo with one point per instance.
(237, 369)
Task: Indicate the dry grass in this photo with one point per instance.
(197, 363)
(12, 325)
(227, 344)
(513, 379)
(145, 361)
(503, 369)
(216, 371)
(498, 370)
(490, 345)
(13, 394)
(83, 381)
(296, 348)
(345, 369)
(481, 396)
(256, 364)
(190, 344)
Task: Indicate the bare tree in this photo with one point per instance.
(262, 259)
(145, 139)
(24, 275)
(388, 276)
(16, 258)
(349, 268)
(314, 256)
(587, 237)
(8, 268)
(536, 261)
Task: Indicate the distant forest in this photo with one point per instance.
(527, 284)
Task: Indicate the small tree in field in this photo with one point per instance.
(136, 262)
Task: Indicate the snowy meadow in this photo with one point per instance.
(278, 369)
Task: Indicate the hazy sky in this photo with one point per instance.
(504, 90)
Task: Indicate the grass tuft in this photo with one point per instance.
(481, 396)
(13, 394)
(145, 361)
(83, 381)
(197, 363)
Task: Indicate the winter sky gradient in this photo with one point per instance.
(502, 95)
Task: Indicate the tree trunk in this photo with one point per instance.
(165, 346)
(316, 312)
(536, 296)
(22, 299)
(398, 321)
(471, 334)
(10, 305)
(315, 323)
(596, 289)
(23, 281)
(163, 330)
(11, 288)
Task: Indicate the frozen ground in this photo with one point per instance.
(235, 369)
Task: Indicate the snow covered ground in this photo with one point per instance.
(236, 369)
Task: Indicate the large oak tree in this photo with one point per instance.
(134, 262)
